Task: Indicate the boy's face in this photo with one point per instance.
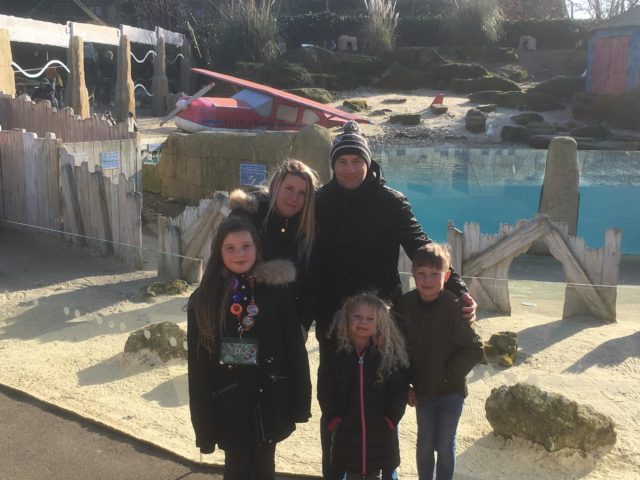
(430, 281)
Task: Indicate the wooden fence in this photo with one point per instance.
(188, 237)
(41, 119)
(45, 185)
(591, 274)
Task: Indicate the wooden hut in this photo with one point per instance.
(613, 65)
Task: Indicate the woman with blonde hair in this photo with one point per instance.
(362, 389)
(284, 215)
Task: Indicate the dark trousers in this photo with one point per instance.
(257, 463)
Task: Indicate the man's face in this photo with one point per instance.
(350, 171)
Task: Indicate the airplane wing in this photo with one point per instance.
(274, 92)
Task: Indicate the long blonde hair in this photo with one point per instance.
(388, 339)
(307, 226)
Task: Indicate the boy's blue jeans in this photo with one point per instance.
(437, 424)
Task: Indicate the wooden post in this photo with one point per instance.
(7, 78)
(160, 81)
(79, 94)
(125, 100)
(185, 67)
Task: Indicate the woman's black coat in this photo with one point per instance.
(279, 240)
(242, 406)
(360, 233)
(339, 396)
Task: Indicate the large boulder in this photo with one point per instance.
(493, 54)
(283, 74)
(475, 121)
(619, 111)
(166, 339)
(417, 57)
(538, 102)
(541, 128)
(356, 105)
(399, 77)
(526, 118)
(449, 71)
(158, 289)
(550, 419)
(479, 84)
(514, 134)
(591, 131)
(314, 59)
(317, 94)
(560, 87)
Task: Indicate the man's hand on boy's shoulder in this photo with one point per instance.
(469, 310)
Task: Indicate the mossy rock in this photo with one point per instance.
(314, 59)
(488, 82)
(526, 118)
(493, 54)
(329, 81)
(166, 339)
(475, 121)
(488, 107)
(416, 57)
(541, 128)
(286, 75)
(540, 102)
(399, 77)
(316, 94)
(406, 119)
(560, 87)
(515, 134)
(449, 71)
(620, 111)
(358, 64)
(356, 105)
(591, 131)
(514, 72)
(175, 287)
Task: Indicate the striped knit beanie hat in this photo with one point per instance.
(350, 143)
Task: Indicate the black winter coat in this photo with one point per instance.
(243, 406)
(339, 394)
(360, 233)
(279, 240)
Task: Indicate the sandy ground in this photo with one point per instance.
(65, 316)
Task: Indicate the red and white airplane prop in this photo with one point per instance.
(255, 107)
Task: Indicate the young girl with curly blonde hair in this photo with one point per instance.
(362, 389)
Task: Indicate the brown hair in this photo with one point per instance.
(209, 300)
(432, 255)
(307, 227)
(388, 339)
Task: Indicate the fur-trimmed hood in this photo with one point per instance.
(275, 272)
(247, 201)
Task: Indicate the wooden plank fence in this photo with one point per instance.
(93, 153)
(41, 186)
(41, 118)
(591, 274)
(30, 188)
(188, 237)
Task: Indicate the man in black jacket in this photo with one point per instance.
(361, 225)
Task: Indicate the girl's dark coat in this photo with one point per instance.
(339, 396)
(243, 406)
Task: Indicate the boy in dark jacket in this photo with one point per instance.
(443, 348)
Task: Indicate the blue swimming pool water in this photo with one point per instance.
(491, 187)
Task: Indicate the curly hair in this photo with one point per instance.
(387, 340)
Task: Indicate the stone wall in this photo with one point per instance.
(193, 166)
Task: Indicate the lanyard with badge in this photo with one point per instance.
(241, 350)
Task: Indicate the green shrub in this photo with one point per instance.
(248, 31)
(549, 34)
(474, 22)
(318, 28)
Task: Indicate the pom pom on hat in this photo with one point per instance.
(350, 143)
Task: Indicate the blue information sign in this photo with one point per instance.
(110, 160)
(252, 173)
